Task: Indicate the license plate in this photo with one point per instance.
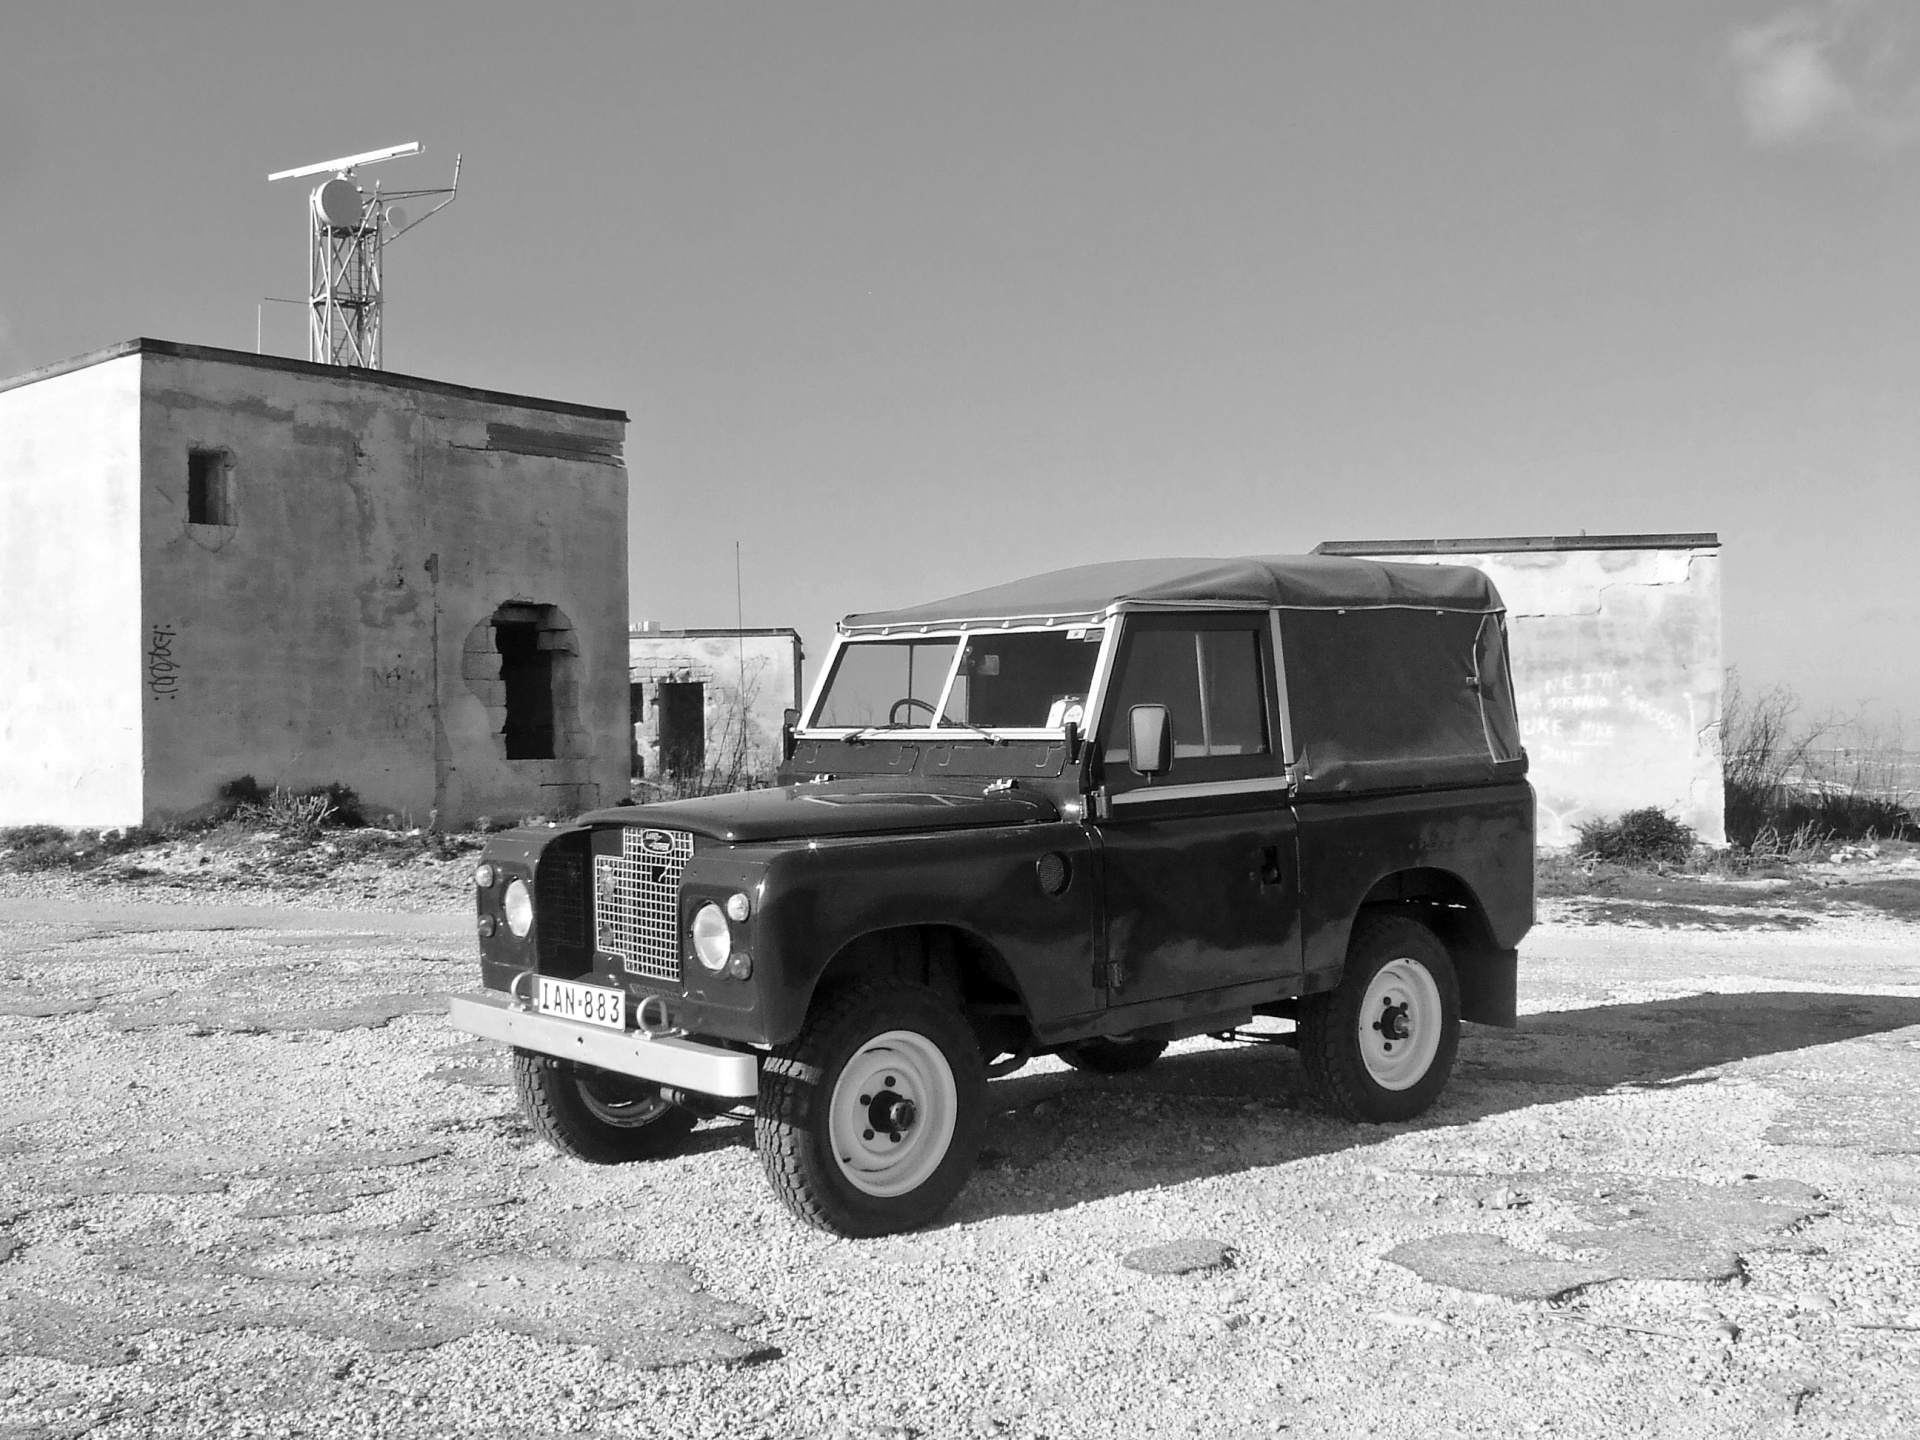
(589, 1004)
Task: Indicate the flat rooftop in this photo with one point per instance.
(657, 632)
(1677, 540)
(346, 374)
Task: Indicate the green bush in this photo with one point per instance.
(1648, 835)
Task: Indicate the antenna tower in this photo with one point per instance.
(351, 227)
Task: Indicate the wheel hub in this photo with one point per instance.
(889, 1112)
(1392, 1023)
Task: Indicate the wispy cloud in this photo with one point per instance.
(1845, 70)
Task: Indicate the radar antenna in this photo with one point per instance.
(351, 227)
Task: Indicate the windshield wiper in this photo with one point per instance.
(856, 737)
(986, 735)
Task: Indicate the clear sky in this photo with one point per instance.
(911, 298)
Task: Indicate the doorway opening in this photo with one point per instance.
(683, 728)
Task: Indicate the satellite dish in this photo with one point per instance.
(338, 203)
(396, 218)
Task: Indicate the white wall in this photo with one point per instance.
(77, 681)
(1618, 675)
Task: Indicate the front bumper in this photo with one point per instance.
(664, 1060)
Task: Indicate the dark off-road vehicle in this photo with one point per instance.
(1087, 814)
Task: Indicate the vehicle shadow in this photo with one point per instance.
(1057, 1139)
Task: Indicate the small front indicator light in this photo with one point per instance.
(484, 875)
(712, 940)
(741, 966)
(487, 927)
(519, 907)
(739, 906)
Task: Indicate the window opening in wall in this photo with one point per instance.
(526, 669)
(683, 728)
(208, 499)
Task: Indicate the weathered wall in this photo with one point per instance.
(1618, 672)
(752, 678)
(326, 634)
(76, 680)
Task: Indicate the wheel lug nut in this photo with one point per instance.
(895, 1137)
(866, 1134)
(866, 1099)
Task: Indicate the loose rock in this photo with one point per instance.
(1180, 1257)
(1487, 1264)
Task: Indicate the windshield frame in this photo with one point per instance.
(963, 633)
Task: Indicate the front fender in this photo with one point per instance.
(823, 896)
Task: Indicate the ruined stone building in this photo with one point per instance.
(1617, 669)
(247, 565)
(709, 703)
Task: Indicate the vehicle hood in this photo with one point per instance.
(868, 806)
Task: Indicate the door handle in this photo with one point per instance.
(1269, 872)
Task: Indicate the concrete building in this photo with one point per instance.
(1617, 668)
(708, 704)
(222, 564)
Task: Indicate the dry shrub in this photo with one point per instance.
(1646, 836)
(1786, 795)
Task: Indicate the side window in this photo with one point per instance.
(1212, 675)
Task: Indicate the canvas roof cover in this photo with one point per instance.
(1313, 582)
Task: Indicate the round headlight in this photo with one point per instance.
(712, 941)
(739, 906)
(484, 875)
(519, 907)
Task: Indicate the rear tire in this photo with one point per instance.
(1380, 1046)
(869, 1122)
(594, 1115)
(1105, 1055)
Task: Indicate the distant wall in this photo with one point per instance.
(79, 669)
(1618, 674)
(749, 679)
(337, 627)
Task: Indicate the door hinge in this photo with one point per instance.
(1108, 975)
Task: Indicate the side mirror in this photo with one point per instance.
(1149, 740)
(788, 719)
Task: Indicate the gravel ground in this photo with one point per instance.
(251, 1184)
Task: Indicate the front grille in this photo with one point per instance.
(636, 902)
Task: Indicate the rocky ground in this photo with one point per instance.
(250, 1184)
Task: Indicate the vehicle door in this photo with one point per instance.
(1199, 879)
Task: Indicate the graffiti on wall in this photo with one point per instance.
(163, 670)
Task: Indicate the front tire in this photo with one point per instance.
(1380, 1046)
(593, 1115)
(869, 1122)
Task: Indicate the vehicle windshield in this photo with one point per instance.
(1007, 679)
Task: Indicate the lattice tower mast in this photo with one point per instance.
(350, 229)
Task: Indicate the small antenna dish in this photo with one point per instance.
(396, 219)
(338, 203)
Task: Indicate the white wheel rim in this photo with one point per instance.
(1400, 1024)
(865, 1114)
